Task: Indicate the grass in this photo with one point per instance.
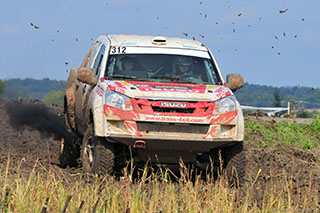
(49, 190)
(305, 136)
(45, 190)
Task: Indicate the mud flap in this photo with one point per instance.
(69, 108)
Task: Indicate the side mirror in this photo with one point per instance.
(85, 75)
(234, 81)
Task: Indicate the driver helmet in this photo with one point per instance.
(185, 61)
(127, 59)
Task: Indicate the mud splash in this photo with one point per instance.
(37, 116)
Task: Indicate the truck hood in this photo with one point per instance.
(168, 91)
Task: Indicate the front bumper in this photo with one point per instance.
(130, 126)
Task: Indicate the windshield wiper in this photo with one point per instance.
(174, 79)
(166, 78)
(123, 76)
(186, 80)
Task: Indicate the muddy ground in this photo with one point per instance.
(30, 135)
(34, 131)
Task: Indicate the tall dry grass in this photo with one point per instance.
(48, 190)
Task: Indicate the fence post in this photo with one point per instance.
(294, 110)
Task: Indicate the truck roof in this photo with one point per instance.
(155, 41)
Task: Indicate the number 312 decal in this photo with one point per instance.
(119, 49)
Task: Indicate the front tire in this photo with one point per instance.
(235, 164)
(97, 155)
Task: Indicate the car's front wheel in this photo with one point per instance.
(97, 155)
(235, 163)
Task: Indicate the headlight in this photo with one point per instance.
(224, 105)
(118, 100)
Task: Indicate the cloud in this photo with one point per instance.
(9, 29)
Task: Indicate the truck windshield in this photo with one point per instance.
(162, 68)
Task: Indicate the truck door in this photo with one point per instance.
(87, 89)
(81, 89)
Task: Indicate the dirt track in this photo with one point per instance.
(26, 145)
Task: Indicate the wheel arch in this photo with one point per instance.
(97, 118)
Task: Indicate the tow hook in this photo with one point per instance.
(139, 144)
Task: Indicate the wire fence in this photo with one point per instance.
(268, 110)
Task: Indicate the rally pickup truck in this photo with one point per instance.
(153, 99)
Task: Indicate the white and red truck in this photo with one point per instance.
(156, 99)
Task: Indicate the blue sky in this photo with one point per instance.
(240, 34)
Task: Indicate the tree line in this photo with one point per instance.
(269, 96)
(52, 91)
(49, 91)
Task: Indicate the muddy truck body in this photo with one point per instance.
(156, 99)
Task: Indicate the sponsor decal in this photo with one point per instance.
(125, 83)
(175, 119)
(174, 88)
(211, 87)
(169, 87)
(142, 85)
(190, 47)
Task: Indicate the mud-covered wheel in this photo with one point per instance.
(69, 153)
(97, 156)
(235, 164)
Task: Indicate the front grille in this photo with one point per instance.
(169, 109)
(149, 127)
(148, 106)
(150, 100)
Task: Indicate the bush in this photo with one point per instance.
(305, 114)
(3, 86)
(54, 97)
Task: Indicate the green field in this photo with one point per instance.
(305, 136)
